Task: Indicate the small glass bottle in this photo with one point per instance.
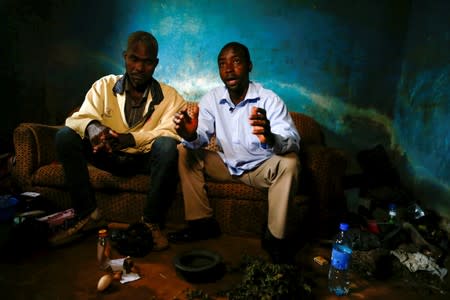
(103, 250)
(392, 213)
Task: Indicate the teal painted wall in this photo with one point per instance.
(371, 72)
(422, 110)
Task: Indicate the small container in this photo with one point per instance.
(127, 265)
(392, 219)
(103, 250)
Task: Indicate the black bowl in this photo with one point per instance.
(199, 266)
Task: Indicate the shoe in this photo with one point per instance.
(278, 249)
(75, 231)
(160, 242)
(95, 222)
(197, 230)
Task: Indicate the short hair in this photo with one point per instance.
(145, 37)
(239, 46)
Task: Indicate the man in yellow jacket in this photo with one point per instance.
(124, 126)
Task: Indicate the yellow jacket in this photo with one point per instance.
(103, 105)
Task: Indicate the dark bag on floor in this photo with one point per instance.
(135, 241)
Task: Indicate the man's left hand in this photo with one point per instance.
(119, 141)
(261, 126)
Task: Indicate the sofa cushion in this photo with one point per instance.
(53, 176)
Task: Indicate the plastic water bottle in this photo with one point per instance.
(338, 277)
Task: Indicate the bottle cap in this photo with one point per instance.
(343, 226)
(103, 233)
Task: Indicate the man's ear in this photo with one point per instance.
(250, 67)
(124, 54)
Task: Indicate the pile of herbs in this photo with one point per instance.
(262, 281)
(267, 281)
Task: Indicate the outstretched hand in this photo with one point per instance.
(186, 124)
(261, 126)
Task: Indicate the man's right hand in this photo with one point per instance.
(186, 125)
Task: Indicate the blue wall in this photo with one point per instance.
(371, 72)
(422, 110)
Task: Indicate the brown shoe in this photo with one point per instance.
(75, 231)
(160, 242)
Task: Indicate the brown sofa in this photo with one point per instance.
(240, 209)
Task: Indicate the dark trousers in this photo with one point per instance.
(160, 163)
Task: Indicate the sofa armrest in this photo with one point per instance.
(324, 169)
(34, 147)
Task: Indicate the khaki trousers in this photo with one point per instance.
(279, 175)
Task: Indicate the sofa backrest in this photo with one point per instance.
(308, 128)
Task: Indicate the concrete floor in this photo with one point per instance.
(71, 272)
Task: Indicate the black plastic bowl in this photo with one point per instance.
(199, 266)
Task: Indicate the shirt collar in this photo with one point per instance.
(122, 86)
(251, 96)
